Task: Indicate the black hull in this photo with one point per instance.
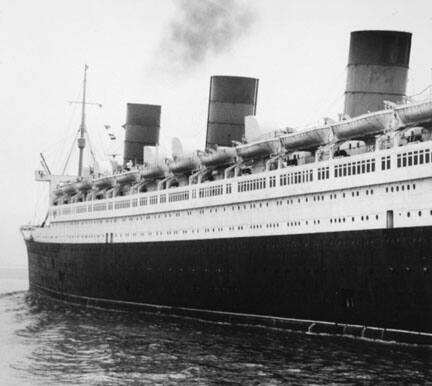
(378, 278)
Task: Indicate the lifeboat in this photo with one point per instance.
(127, 178)
(183, 165)
(414, 113)
(220, 156)
(69, 188)
(258, 149)
(84, 186)
(307, 139)
(104, 182)
(363, 125)
(154, 171)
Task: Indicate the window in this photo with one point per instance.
(178, 196)
(385, 163)
(255, 184)
(417, 157)
(122, 204)
(211, 191)
(324, 173)
(360, 167)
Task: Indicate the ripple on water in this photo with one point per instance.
(49, 343)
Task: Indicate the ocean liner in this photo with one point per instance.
(326, 229)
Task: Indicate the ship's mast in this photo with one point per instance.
(81, 139)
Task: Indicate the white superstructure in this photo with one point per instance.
(340, 186)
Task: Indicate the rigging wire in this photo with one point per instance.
(422, 91)
(70, 128)
(56, 149)
(318, 108)
(70, 152)
(91, 148)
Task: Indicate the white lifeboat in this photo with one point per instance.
(104, 182)
(220, 156)
(154, 171)
(363, 125)
(183, 165)
(414, 113)
(258, 149)
(69, 188)
(84, 185)
(127, 178)
(306, 139)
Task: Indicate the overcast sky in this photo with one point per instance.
(164, 52)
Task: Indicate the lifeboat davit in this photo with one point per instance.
(104, 182)
(58, 192)
(127, 178)
(414, 113)
(363, 125)
(183, 165)
(220, 156)
(258, 149)
(306, 139)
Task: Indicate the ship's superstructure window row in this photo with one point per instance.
(178, 196)
(255, 184)
(211, 191)
(416, 157)
(353, 168)
(122, 204)
(302, 222)
(296, 177)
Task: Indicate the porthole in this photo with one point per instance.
(408, 214)
(419, 213)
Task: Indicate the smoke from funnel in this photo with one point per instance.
(202, 28)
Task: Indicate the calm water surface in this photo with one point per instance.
(43, 342)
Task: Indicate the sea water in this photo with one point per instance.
(45, 342)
